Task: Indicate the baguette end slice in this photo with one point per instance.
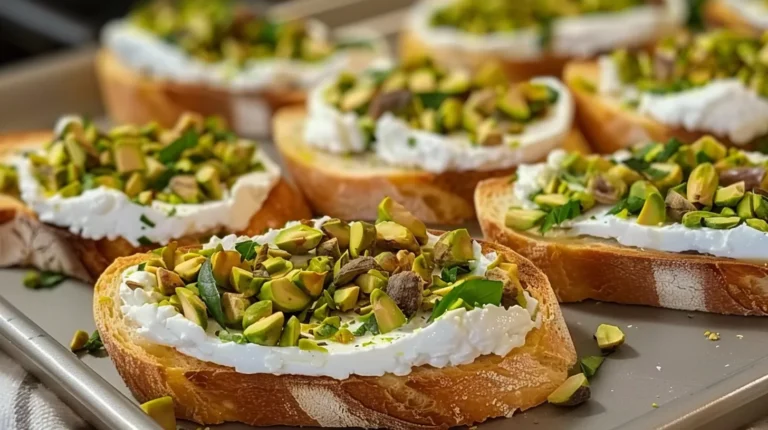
(427, 398)
(582, 269)
(717, 13)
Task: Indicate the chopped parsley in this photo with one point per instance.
(559, 215)
(144, 241)
(146, 221)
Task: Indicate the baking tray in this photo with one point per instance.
(667, 361)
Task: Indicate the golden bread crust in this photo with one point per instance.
(26, 241)
(427, 398)
(351, 187)
(581, 269)
(131, 97)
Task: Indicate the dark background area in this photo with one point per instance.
(29, 28)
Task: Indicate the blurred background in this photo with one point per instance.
(32, 27)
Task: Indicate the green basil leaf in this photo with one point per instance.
(670, 149)
(94, 342)
(476, 292)
(432, 100)
(247, 249)
(173, 151)
(209, 293)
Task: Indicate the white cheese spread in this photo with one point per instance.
(108, 213)
(458, 337)
(398, 144)
(724, 107)
(143, 51)
(580, 36)
(742, 242)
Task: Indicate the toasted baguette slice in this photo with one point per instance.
(718, 13)
(412, 46)
(586, 268)
(427, 398)
(350, 187)
(607, 125)
(27, 241)
(136, 98)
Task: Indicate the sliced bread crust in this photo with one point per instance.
(717, 13)
(608, 126)
(27, 241)
(583, 268)
(136, 98)
(427, 398)
(351, 187)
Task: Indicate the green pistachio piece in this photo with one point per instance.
(256, 312)
(128, 156)
(362, 237)
(653, 212)
(193, 307)
(285, 295)
(722, 223)
(453, 248)
(757, 224)
(388, 316)
(702, 184)
(339, 230)
(298, 239)
(730, 195)
(523, 219)
(266, 331)
(694, 219)
(390, 210)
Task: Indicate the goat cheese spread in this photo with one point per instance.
(457, 337)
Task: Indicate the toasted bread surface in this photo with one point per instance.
(427, 398)
(27, 241)
(133, 97)
(351, 187)
(583, 268)
(412, 46)
(717, 13)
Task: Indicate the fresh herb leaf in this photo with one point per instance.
(146, 221)
(476, 292)
(637, 164)
(432, 100)
(142, 266)
(144, 241)
(632, 204)
(173, 151)
(702, 157)
(94, 343)
(573, 179)
(670, 149)
(411, 141)
(206, 284)
(164, 178)
(89, 181)
(369, 325)
(589, 365)
(246, 249)
(172, 212)
(34, 279)
(451, 274)
(655, 174)
(559, 215)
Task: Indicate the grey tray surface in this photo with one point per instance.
(697, 383)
